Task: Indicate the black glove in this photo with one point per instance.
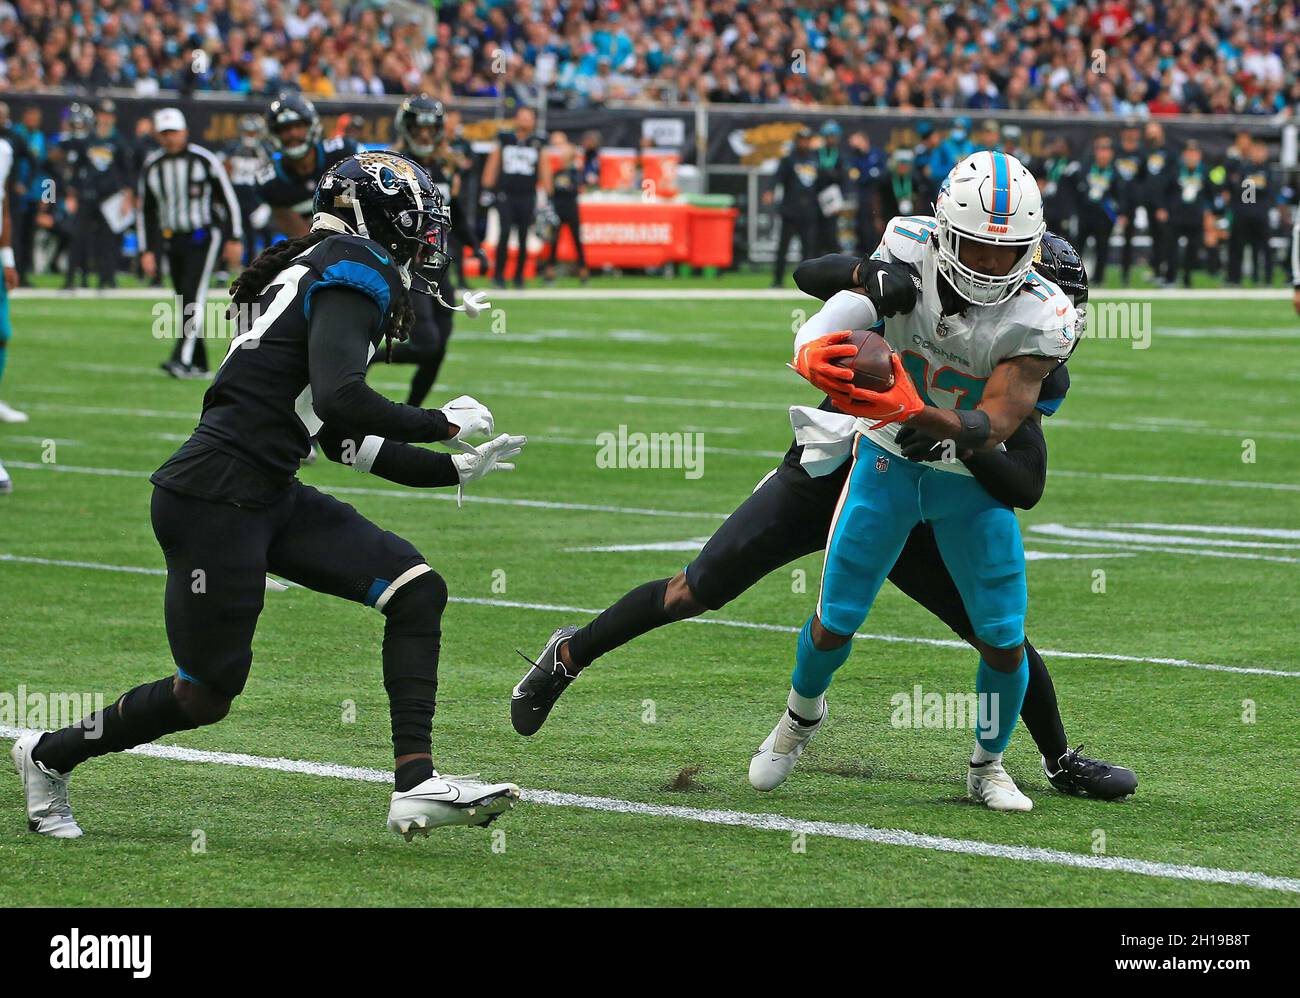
(918, 446)
(891, 287)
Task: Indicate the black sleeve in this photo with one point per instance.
(826, 275)
(338, 337)
(397, 462)
(1017, 475)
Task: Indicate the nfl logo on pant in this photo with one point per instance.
(882, 463)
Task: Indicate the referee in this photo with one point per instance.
(187, 205)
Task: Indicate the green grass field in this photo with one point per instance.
(1147, 439)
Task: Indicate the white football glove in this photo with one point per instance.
(495, 455)
(471, 415)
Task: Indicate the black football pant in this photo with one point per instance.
(567, 211)
(1096, 227)
(218, 555)
(1186, 257)
(789, 516)
(94, 246)
(1250, 231)
(805, 227)
(191, 257)
(514, 215)
(427, 346)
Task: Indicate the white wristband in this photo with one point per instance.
(7, 256)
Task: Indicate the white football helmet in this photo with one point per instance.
(989, 197)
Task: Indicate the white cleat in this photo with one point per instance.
(448, 800)
(6, 483)
(8, 414)
(776, 757)
(993, 787)
(48, 811)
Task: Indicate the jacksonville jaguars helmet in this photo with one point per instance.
(1059, 262)
(420, 111)
(389, 198)
(287, 110)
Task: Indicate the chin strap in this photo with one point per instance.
(473, 303)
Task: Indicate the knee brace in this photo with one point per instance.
(412, 637)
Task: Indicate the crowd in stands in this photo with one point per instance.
(1132, 57)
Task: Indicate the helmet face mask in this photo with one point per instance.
(414, 116)
(289, 110)
(988, 199)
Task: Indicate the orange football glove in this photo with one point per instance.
(815, 363)
(894, 405)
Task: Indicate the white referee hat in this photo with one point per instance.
(168, 119)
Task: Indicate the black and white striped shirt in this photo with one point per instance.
(185, 193)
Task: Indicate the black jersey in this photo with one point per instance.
(281, 189)
(568, 183)
(259, 408)
(520, 162)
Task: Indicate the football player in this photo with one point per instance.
(227, 507)
(789, 515)
(301, 157)
(970, 353)
(421, 130)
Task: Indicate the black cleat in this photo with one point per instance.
(541, 686)
(1080, 776)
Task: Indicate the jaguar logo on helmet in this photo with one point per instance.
(391, 173)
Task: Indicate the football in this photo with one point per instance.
(870, 365)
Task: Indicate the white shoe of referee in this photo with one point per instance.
(8, 414)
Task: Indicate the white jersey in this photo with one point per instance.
(950, 357)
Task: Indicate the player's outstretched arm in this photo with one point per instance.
(825, 275)
(337, 353)
(1009, 398)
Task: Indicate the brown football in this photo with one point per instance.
(870, 365)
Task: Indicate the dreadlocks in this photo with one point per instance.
(248, 286)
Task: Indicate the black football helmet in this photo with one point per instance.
(421, 111)
(388, 197)
(1060, 263)
(292, 109)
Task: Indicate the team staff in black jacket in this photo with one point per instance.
(796, 186)
(1099, 191)
(1190, 196)
(100, 168)
(1130, 165)
(1252, 194)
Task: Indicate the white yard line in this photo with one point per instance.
(1180, 663)
(759, 821)
(671, 293)
(1238, 483)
